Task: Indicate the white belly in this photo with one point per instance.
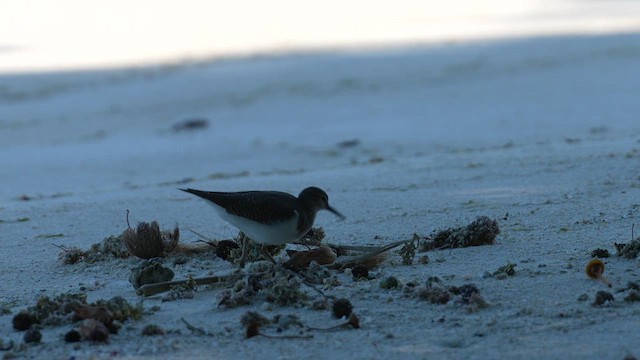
(272, 234)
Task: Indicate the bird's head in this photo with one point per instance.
(317, 199)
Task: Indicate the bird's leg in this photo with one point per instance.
(266, 254)
(243, 259)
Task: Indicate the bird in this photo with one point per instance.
(269, 217)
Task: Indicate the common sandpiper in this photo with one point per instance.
(269, 217)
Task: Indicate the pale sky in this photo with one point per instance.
(62, 34)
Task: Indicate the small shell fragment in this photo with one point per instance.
(595, 269)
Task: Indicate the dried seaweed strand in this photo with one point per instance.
(157, 288)
(373, 252)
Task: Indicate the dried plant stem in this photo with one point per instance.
(370, 249)
(353, 322)
(157, 288)
(206, 239)
(193, 328)
(286, 336)
(371, 252)
(363, 248)
(61, 247)
(332, 328)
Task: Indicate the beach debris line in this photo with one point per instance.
(146, 241)
(333, 255)
(109, 248)
(359, 257)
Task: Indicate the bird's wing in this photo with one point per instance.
(262, 206)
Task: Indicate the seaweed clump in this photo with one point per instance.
(275, 285)
(49, 311)
(504, 271)
(150, 272)
(600, 253)
(482, 231)
(467, 295)
(73, 307)
(629, 250)
(109, 248)
(148, 241)
(408, 251)
(602, 297)
(390, 282)
(253, 251)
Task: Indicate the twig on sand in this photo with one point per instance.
(195, 329)
(352, 322)
(372, 255)
(157, 288)
(206, 239)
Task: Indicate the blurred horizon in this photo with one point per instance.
(39, 36)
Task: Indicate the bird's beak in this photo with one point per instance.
(336, 212)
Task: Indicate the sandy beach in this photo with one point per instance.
(541, 134)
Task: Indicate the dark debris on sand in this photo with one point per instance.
(482, 231)
(629, 250)
(91, 319)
